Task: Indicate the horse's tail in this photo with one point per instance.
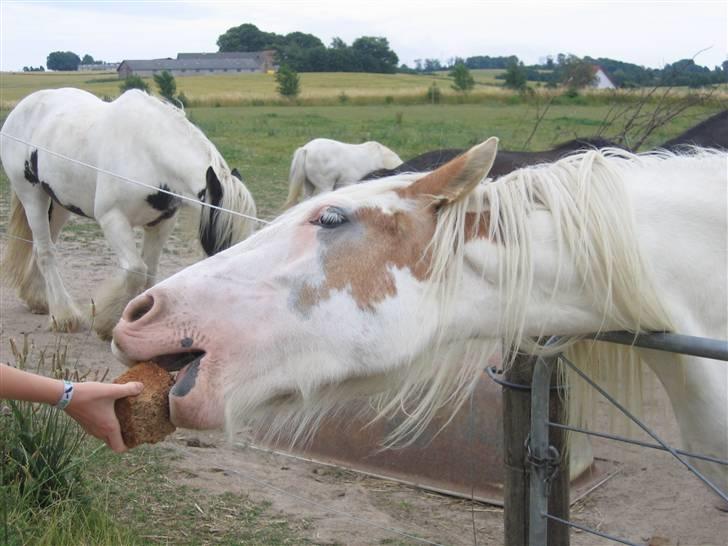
(296, 178)
(220, 229)
(19, 250)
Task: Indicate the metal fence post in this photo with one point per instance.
(549, 484)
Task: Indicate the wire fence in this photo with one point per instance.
(127, 180)
(132, 181)
(540, 423)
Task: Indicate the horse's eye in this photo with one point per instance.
(330, 218)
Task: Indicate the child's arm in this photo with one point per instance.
(91, 403)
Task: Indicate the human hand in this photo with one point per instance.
(92, 406)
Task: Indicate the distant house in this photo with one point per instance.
(96, 67)
(198, 64)
(602, 79)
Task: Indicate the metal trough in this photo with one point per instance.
(464, 459)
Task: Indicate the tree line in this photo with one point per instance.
(303, 52)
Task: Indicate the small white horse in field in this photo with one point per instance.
(324, 165)
(137, 137)
(406, 286)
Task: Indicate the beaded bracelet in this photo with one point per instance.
(66, 396)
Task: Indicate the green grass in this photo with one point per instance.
(142, 490)
(260, 141)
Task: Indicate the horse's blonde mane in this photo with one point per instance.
(594, 224)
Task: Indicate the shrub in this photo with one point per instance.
(166, 84)
(434, 95)
(41, 457)
(288, 83)
(462, 79)
(134, 82)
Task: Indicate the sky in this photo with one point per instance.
(647, 33)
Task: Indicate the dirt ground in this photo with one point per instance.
(651, 500)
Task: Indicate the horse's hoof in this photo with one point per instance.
(38, 309)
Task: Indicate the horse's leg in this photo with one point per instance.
(154, 239)
(116, 292)
(64, 314)
(309, 189)
(32, 289)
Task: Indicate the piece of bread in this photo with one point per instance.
(144, 418)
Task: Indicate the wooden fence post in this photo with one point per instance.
(516, 426)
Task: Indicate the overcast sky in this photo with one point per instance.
(649, 33)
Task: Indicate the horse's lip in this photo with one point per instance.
(177, 361)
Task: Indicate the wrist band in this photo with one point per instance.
(66, 396)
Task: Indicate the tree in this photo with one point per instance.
(576, 73)
(246, 37)
(134, 82)
(516, 77)
(166, 84)
(88, 59)
(288, 82)
(63, 60)
(462, 79)
(432, 65)
(302, 40)
(375, 54)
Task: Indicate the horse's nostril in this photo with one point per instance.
(138, 307)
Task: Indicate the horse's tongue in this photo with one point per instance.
(186, 378)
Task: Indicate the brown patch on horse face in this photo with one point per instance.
(360, 258)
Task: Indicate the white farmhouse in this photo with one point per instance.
(601, 79)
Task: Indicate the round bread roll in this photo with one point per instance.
(144, 418)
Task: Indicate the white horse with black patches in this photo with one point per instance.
(324, 165)
(50, 142)
(406, 286)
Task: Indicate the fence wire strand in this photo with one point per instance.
(131, 180)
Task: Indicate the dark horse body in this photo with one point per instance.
(505, 161)
(711, 133)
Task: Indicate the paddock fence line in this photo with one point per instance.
(131, 180)
(544, 475)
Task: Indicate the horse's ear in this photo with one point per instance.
(236, 173)
(214, 188)
(457, 178)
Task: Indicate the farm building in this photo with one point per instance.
(192, 64)
(602, 79)
(98, 67)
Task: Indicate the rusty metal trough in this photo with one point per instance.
(464, 459)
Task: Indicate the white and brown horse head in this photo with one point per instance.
(331, 298)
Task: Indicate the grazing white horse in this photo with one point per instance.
(407, 288)
(45, 140)
(324, 165)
